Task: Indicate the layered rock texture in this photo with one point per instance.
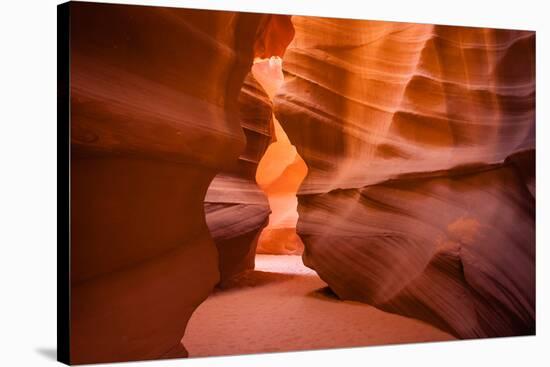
(156, 115)
(420, 147)
(236, 208)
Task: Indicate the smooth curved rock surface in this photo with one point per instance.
(236, 208)
(274, 36)
(419, 142)
(155, 117)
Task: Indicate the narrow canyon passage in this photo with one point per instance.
(282, 305)
(408, 151)
(279, 174)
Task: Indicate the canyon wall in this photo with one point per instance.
(155, 116)
(236, 208)
(420, 146)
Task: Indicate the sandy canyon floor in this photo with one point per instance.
(285, 306)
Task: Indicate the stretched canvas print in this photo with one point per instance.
(234, 183)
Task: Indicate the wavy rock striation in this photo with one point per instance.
(420, 193)
(236, 208)
(155, 117)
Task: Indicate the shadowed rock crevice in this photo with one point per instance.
(237, 209)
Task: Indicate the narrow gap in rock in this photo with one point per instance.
(282, 305)
(280, 173)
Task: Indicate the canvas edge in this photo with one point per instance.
(63, 183)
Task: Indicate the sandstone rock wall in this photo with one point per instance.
(155, 117)
(236, 208)
(420, 193)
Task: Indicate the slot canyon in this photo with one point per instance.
(246, 183)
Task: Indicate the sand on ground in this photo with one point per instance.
(285, 306)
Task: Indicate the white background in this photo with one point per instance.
(28, 183)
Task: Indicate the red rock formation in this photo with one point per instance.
(155, 116)
(419, 141)
(275, 35)
(236, 208)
